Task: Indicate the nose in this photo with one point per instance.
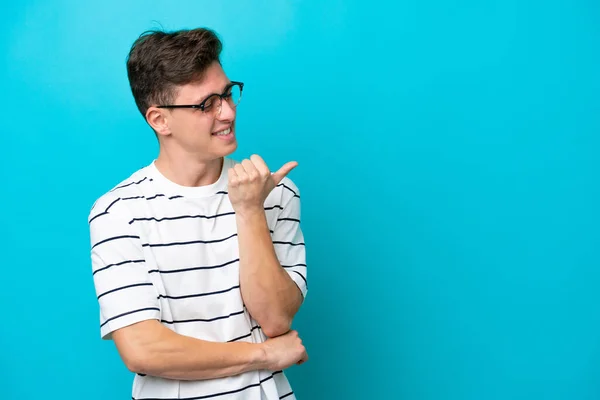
(226, 112)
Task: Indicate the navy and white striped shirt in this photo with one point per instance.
(169, 252)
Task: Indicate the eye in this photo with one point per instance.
(209, 103)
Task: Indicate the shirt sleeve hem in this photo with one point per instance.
(107, 329)
(299, 282)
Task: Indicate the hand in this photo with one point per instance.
(251, 181)
(284, 351)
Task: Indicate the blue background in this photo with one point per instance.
(449, 170)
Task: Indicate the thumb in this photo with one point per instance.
(303, 359)
(283, 171)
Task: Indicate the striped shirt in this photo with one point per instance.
(169, 252)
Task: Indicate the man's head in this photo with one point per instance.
(183, 68)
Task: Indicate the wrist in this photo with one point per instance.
(249, 213)
(260, 356)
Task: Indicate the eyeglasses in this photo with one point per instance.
(213, 103)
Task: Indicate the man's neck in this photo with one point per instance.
(185, 171)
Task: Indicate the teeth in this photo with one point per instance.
(223, 133)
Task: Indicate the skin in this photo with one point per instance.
(269, 293)
(191, 155)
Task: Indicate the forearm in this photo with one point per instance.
(157, 351)
(271, 296)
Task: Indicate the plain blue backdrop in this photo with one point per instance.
(449, 169)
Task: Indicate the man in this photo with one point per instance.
(198, 261)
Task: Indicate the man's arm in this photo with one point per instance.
(270, 294)
(150, 348)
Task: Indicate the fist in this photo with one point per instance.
(251, 181)
(284, 351)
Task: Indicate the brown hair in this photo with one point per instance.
(159, 61)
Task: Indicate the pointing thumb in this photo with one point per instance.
(283, 171)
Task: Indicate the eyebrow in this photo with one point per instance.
(201, 99)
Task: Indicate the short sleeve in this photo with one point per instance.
(288, 238)
(123, 287)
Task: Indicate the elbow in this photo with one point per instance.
(137, 359)
(137, 363)
(277, 327)
(135, 345)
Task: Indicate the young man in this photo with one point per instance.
(198, 261)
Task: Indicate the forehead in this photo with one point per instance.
(213, 81)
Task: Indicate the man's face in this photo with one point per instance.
(199, 133)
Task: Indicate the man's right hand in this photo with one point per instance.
(284, 351)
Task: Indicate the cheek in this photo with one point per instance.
(198, 128)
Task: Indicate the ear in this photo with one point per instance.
(158, 121)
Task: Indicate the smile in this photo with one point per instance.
(223, 133)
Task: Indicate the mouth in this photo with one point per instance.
(226, 134)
